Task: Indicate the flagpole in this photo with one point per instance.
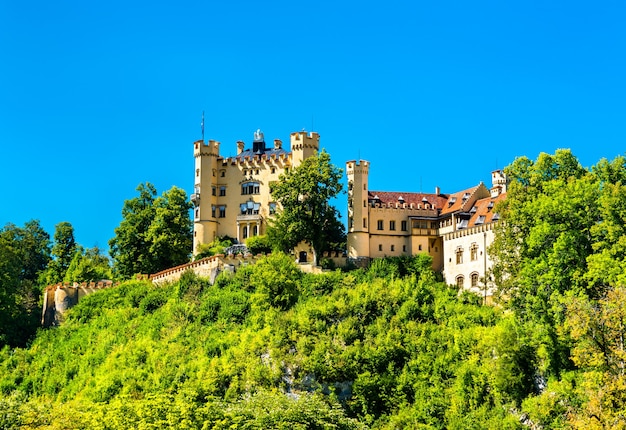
(202, 126)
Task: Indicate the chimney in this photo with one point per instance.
(240, 146)
(437, 190)
(278, 144)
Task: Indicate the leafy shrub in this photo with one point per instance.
(259, 245)
(213, 248)
(327, 263)
(153, 301)
(276, 280)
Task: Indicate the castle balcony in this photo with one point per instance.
(195, 198)
(425, 232)
(249, 218)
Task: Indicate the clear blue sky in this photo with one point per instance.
(98, 97)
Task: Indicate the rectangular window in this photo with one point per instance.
(197, 213)
(380, 247)
(250, 188)
(213, 208)
(364, 222)
(364, 203)
(403, 225)
(380, 224)
(474, 252)
(393, 248)
(459, 256)
(403, 248)
(214, 191)
(222, 191)
(222, 212)
(419, 247)
(272, 208)
(392, 225)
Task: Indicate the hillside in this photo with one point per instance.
(271, 347)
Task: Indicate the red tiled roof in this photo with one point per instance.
(386, 197)
(455, 201)
(484, 208)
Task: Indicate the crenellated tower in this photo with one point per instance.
(358, 213)
(303, 145)
(204, 197)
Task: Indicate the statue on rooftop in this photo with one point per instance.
(258, 135)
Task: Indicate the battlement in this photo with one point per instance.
(357, 167)
(302, 139)
(208, 267)
(200, 147)
(58, 298)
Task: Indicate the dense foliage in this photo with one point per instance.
(63, 250)
(272, 347)
(560, 259)
(24, 255)
(155, 232)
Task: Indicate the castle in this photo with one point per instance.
(232, 197)
(454, 229)
(232, 194)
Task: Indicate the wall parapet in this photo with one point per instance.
(58, 298)
(208, 267)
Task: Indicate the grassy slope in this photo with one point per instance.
(370, 348)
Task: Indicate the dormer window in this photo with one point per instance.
(480, 220)
(490, 206)
(495, 217)
(451, 201)
(466, 196)
(473, 210)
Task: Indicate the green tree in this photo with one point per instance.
(155, 232)
(129, 247)
(540, 250)
(63, 251)
(170, 233)
(306, 214)
(24, 253)
(87, 266)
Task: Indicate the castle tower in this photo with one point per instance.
(303, 145)
(205, 203)
(358, 209)
(498, 183)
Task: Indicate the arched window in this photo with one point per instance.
(460, 281)
(255, 230)
(474, 278)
